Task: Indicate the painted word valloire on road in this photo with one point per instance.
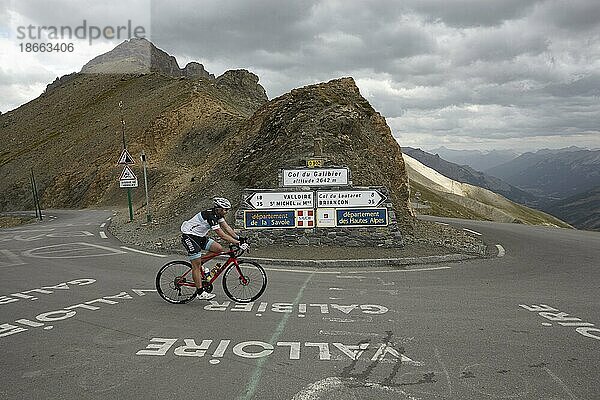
(217, 349)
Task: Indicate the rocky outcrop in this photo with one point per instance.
(243, 88)
(196, 70)
(281, 135)
(139, 56)
(60, 81)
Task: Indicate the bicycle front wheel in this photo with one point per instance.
(245, 284)
(174, 282)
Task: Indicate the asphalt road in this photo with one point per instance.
(80, 320)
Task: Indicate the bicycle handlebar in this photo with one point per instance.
(235, 249)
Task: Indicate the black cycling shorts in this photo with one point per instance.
(195, 244)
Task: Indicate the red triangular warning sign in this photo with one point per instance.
(126, 158)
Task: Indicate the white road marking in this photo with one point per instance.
(140, 292)
(103, 225)
(501, 251)
(473, 232)
(77, 247)
(441, 223)
(305, 271)
(144, 252)
(103, 235)
(346, 333)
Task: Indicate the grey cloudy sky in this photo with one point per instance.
(471, 74)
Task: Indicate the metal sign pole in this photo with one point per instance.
(130, 207)
(125, 148)
(34, 194)
(37, 197)
(148, 214)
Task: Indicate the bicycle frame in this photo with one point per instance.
(231, 260)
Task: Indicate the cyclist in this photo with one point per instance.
(193, 238)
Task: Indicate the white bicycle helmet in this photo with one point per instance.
(221, 202)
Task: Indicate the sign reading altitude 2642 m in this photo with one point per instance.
(316, 177)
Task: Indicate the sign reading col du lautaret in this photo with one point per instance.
(316, 177)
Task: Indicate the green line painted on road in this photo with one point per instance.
(256, 375)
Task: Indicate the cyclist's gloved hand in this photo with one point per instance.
(243, 239)
(244, 246)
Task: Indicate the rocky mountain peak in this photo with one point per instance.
(140, 56)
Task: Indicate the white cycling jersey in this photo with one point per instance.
(201, 223)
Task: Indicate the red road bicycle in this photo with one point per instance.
(243, 281)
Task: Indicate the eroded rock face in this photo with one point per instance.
(245, 83)
(281, 135)
(196, 70)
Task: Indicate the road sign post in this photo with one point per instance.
(148, 214)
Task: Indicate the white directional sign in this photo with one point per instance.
(281, 200)
(128, 178)
(316, 177)
(349, 198)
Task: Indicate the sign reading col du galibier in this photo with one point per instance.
(316, 177)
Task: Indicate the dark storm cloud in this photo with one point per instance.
(440, 70)
(472, 13)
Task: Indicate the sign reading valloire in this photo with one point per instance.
(316, 177)
(275, 200)
(349, 198)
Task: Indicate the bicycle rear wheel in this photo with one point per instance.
(174, 283)
(246, 287)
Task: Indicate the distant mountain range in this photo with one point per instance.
(563, 182)
(476, 159)
(466, 174)
(581, 210)
(553, 174)
(435, 194)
